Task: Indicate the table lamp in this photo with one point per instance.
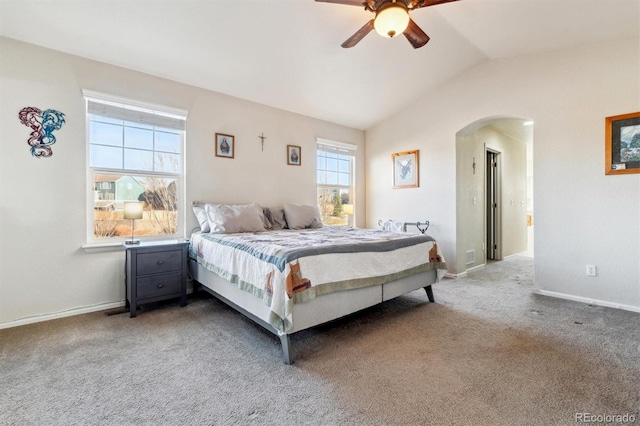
(133, 211)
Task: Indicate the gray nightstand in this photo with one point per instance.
(156, 271)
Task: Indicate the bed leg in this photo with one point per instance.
(286, 348)
(429, 291)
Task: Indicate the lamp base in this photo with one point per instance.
(132, 242)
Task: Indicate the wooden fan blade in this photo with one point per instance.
(359, 35)
(424, 3)
(347, 2)
(415, 35)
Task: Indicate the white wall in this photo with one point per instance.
(582, 216)
(44, 272)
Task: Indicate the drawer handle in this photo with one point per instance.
(160, 262)
(160, 285)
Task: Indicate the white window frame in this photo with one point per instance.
(158, 115)
(326, 145)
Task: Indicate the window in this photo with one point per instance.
(335, 182)
(135, 154)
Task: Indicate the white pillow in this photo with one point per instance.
(302, 216)
(232, 218)
(201, 215)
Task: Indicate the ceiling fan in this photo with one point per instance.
(392, 18)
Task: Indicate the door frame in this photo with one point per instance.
(497, 252)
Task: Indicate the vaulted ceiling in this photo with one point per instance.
(287, 54)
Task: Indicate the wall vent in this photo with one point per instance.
(471, 256)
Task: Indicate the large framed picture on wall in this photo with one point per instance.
(622, 144)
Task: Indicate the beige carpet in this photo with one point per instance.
(488, 352)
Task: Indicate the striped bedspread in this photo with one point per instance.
(286, 267)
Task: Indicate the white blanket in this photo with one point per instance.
(286, 267)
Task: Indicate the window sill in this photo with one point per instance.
(103, 247)
(120, 245)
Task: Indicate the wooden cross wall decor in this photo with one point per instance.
(262, 138)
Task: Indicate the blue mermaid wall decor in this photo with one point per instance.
(42, 125)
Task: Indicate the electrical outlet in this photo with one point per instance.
(591, 271)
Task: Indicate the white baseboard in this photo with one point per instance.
(463, 273)
(587, 300)
(482, 265)
(63, 314)
(452, 276)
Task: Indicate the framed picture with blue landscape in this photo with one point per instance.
(622, 144)
(405, 169)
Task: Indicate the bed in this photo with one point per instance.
(288, 280)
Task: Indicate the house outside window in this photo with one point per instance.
(335, 182)
(135, 154)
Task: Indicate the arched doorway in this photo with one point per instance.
(494, 196)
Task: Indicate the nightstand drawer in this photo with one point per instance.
(159, 285)
(156, 263)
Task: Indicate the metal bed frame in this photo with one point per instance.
(422, 226)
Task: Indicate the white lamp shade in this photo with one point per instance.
(392, 20)
(132, 210)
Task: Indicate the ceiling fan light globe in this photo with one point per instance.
(391, 20)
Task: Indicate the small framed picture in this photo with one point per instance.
(294, 155)
(225, 145)
(622, 144)
(405, 169)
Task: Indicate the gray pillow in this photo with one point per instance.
(276, 218)
(201, 215)
(232, 218)
(302, 216)
(267, 218)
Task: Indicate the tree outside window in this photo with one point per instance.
(335, 183)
